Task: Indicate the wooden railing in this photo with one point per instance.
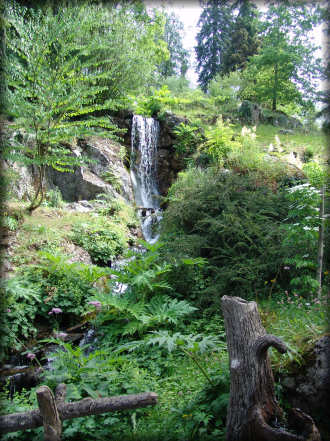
(52, 410)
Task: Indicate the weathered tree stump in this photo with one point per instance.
(253, 412)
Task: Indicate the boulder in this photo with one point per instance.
(310, 388)
(85, 183)
(281, 119)
(250, 113)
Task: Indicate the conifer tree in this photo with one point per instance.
(212, 39)
(177, 63)
(244, 41)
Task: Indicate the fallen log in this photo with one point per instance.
(32, 419)
(253, 412)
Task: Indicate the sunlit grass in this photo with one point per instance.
(298, 321)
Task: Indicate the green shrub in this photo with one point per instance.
(54, 198)
(153, 104)
(188, 138)
(235, 223)
(22, 302)
(63, 285)
(103, 241)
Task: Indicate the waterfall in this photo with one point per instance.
(144, 140)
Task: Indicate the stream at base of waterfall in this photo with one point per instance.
(144, 142)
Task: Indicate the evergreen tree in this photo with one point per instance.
(177, 63)
(244, 41)
(285, 69)
(213, 39)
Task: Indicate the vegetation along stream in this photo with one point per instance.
(165, 209)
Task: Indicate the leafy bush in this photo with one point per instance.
(54, 198)
(103, 241)
(22, 304)
(234, 222)
(300, 238)
(64, 285)
(220, 140)
(151, 105)
(188, 138)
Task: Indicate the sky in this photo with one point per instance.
(188, 12)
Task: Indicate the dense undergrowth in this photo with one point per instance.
(223, 232)
(242, 218)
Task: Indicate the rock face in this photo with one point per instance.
(309, 390)
(252, 113)
(106, 174)
(169, 163)
(108, 170)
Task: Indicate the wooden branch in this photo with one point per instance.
(51, 420)
(87, 406)
(264, 342)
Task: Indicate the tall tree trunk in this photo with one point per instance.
(39, 194)
(253, 412)
(275, 87)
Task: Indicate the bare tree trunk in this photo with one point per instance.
(253, 412)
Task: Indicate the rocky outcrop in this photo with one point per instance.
(105, 173)
(252, 113)
(108, 170)
(309, 389)
(169, 163)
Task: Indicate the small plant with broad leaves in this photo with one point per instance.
(23, 300)
(301, 237)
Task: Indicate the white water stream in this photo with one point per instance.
(144, 141)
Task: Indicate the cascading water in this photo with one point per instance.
(144, 140)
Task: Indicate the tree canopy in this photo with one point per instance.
(212, 39)
(63, 67)
(285, 69)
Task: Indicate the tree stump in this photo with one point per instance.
(253, 412)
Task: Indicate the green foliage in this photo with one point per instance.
(126, 314)
(315, 173)
(234, 222)
(297, 321)
(301, 237)
(178, 62)
(10, 223)
(54, 198)
(187, 138)
(22, 304)
(111, 178)
(103, 240)
(204, 417)
(64, 285)
(212, 39)
(219, 140)
(243, 39)
(151, 105)
(52, 86)
(224, 90)
(285, 65)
